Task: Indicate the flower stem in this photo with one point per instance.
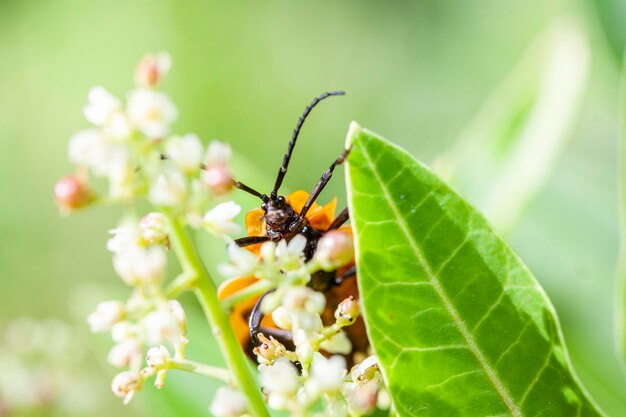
(180, 284)
(201, 369)
(250, 291)
(206, 292)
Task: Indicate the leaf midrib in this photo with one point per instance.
(441, 293)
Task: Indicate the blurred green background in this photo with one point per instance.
(416, 72)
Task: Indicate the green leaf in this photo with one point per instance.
(458, 322)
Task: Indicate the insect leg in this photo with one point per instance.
(322, 182)
(250, 240)
(340, 219)
(348, 274)
(254, 323)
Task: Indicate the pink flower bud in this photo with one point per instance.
(151, 69)
(70, 193)
(334, 250)
(347, 311)
(218, 180)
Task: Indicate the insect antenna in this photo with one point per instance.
(283, 168)
(250, 190)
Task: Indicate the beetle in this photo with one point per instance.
(283, 217)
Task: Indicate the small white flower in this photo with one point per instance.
(242, 262)
(153, 228)
(327, 375)
(102, 105)
(185, 151)
(228, 403)
(179, 314)
(105, 316)
(126, 384)
(305, 353)
(123, 331)
(219, 220)
(339, 343)
(280, 382)
(151, 112)
(302, 337)
(157, 356)
(86, 147)
(304, 299)
(282, 318)
(268, 251)
(218, 153)
(310, 322)
(161, 325)
(290, 255)
(141, 265)
(366, 370)
(169, 189)
(362, 399)
(125, 237)
(118, 127)
(127, 353)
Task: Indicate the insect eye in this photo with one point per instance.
(281, 199)
(264, 207)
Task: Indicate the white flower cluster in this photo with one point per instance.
(126, 145)
(130, 145)
(297, 381)
(148, 317)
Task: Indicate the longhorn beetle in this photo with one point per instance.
(286, 217)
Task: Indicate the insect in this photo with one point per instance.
(283, 217)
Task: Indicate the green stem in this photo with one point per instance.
(201, 369)
(250, 291)
(326, 334)
(206, 292)
(181, 283)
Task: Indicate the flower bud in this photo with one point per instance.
(105, 316)
(269, 350)
(127, 353)
(228, 403)
(153, 229)
(347, 311)
(217, 153)
(218, 179)
(126, 384)
(185, 151)
(305, 353)
(122, 331)
(70, 193)
(157, 356)
(151, 69)
(282, 318)
(334, 250)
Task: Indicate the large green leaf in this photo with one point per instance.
(458, 322)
